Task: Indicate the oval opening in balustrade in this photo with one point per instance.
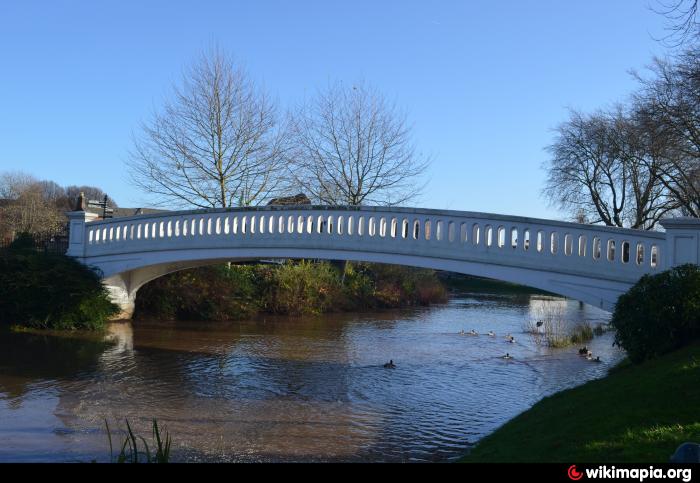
(300, 224)
(361, 226)
(382, 227)
(582, 243)
(394, 227)
(372, 226)
(540, 241)
(290, 224)
(625, 252)
(330, 224)
(427, 229)
(514, 238)
(568, 244)
(476, 234)
(640, 254)
(488, 235)
(309, 224)
(554, 243)
(340, 224)
(654, 256)
(439, 229)
(462, 232)
(451, 231)
(597, 248)
(416, 229)
(501, 236)
(404, 228)
(611, 250)
(351, 225)
(526, 239)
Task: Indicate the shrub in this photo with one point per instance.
(50, 291)
(293, 288)
(659, 314)
(204, 293)
(582, 332)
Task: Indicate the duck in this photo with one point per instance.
(390, 365)
(492, 333)
(583, 351)
(473, 332)
(461, 332)
(507, 356)
(511, 340)
(597, 359)
(539, 323)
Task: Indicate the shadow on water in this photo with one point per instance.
(29, 356)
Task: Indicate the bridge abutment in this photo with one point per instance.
(682, 240)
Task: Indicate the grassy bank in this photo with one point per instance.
(638, 413)
(294, 288)
(50, 291)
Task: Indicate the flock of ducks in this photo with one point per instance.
(490, 333)
(583, 351)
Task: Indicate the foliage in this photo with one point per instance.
(583, 332)
(36, 206)
(130, 453)
(293, 288)
(206, 293)
(627, 416)
(50, 291)
(659, 314)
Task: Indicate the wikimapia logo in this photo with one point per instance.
(639, 474)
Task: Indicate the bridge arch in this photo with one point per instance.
(585, 262)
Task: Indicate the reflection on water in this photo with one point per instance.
(283, 389)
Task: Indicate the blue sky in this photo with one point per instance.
(483, 82)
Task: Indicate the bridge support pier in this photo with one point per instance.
(121, 296)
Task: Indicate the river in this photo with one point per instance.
(292, 389)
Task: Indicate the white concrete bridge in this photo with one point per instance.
(593, 264)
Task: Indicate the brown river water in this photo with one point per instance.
(292, 389)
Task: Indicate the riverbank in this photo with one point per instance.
(637, 413)
(42, 290)
(234, 292)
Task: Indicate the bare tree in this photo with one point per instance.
(669, 103)
(28, 205)
(682, 20)
(352, 147)
(604, 169)
(217, 143)
(90, 192)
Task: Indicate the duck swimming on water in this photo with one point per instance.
(390, 365)
(473, 332)
(492, 333)
(507, 356)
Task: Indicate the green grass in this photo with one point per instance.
(638, 413)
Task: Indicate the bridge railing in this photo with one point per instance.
(478, 237)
